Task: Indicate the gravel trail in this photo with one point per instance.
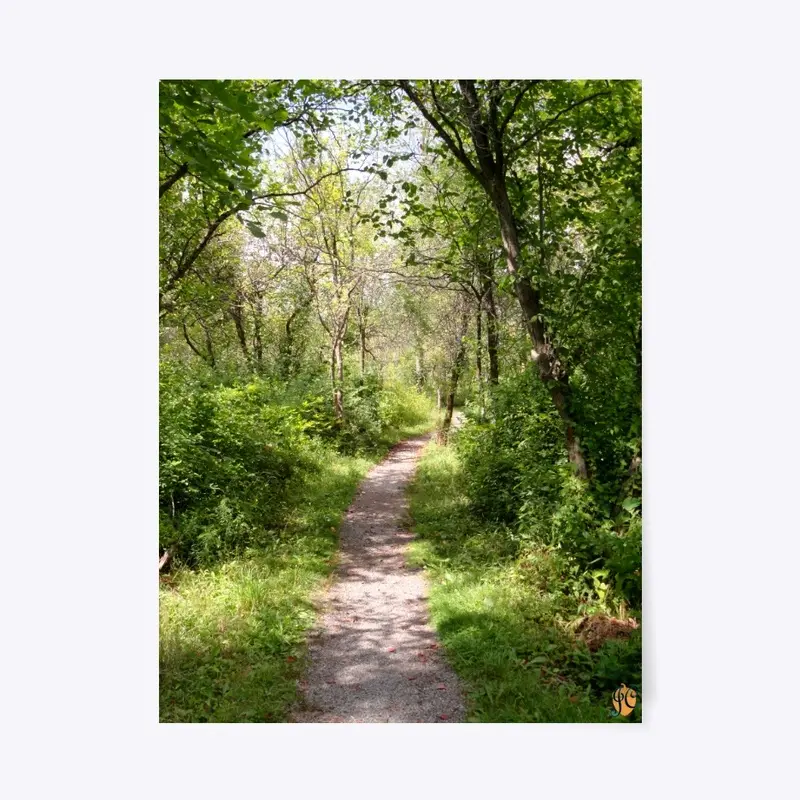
(374, 657)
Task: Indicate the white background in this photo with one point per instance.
(78, 147)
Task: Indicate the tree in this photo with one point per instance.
(488, 126)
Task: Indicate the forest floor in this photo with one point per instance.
(374, 657)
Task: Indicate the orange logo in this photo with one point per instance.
(624, 701)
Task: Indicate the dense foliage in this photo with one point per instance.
(506, 609)
(234, 454)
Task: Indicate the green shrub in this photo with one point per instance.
(228, 455)
(618, 661)
(517, 474)
(231, 455)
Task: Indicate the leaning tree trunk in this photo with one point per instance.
(552, 372)
(490, 172)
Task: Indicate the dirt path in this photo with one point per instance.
(374, 657)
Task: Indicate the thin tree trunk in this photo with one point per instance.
(418, 372)
(209, 346)
(236, 315)
(191, 344)
(478, 349)
(258, 345)
(478, 344)
(455, 374)
(492, 339)
(337, 379)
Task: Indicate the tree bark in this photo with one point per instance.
(478, 344)
(337, 379)
(173, 179)
(235, 312)
(478, 349)
(455, 373)
(551, 370)
(208, 357)
(258, 345)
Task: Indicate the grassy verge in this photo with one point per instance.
(499, 609)
(233, 636)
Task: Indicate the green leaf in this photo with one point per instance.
(255, 229)
(630, 504)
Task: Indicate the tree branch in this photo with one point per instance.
(528, 139)
(445, 119)
(173, 179)
(437, 126)
(515, 105)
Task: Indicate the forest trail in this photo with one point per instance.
(374, 656)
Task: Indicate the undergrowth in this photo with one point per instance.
(232, 635)
(253, 491)
(505, 614)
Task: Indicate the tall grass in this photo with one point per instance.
(499, 608)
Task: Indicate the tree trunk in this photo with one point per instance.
(478, 347)
(362, 335)
(490, 171)
(551, 370)
(236, 315)
(337, 379)
(478, 344)
(258, 346)
(492, 336)
(287, 345)
(209, 346)
(419, 374)
(455, 373)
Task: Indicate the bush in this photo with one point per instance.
(231, 455)
(517, 474)
(618, 661)
(228, 455)
(402, 406)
